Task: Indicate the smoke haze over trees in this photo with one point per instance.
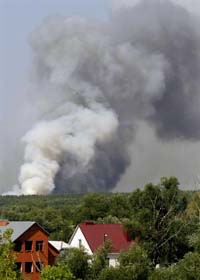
(107, 92)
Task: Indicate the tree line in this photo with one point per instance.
(165, 220)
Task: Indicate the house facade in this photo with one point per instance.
(31, 246)
(92, 236)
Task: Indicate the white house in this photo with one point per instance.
(92, 236)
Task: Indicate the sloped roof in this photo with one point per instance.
(18, 228)
(95, 234)
(59, 245)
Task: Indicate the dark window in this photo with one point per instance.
(39, 245)
(18, 266)
(80, 243)
(28, 267)
(18, 246)
(38, 267)
(28, 245)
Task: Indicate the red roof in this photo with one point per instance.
(95, 235)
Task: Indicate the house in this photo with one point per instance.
(32, 248)
(92, 236)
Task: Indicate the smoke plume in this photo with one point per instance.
(95, 82)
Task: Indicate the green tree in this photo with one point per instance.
(93, 206)
(108, 220)
(157, 220)
(111, 273)
(57, 272)
(169, 273)
(100, 258)
(186, 269)
(135, 263)
(193, 208)
(189, 267)
(77, 260)
(7, 258)
(194, 240)
(119, 206)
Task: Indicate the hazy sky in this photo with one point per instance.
(20, 17)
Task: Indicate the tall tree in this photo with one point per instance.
(7, 258)
(135, 263)
(187, 268)
(100, 259)
(77, 260)
(157, 220)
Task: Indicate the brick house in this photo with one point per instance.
(32, 248)
(92, 236)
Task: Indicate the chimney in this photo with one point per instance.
(3, 223)
(127, 235)
(105, 236)
(89, 223)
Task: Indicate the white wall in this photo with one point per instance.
(75, 241)
(113, 260)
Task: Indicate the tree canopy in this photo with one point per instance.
(164, 219)
(57, 272)
(7, 258)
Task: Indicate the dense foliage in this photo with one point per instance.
(164, 219)
(7, 260)
(58, 272)
(77, 260)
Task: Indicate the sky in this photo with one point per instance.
(18, 19)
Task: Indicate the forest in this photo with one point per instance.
(164, 218)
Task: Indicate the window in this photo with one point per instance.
(28, 267)
(18, 246)
(28, 246)
(39, 245)
(80, 243)
(39, 266)
(18, 266)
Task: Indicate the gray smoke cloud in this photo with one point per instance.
(96, 82)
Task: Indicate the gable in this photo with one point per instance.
(78, 239)
(21, 228)
(35, 232)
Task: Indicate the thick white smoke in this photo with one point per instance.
(75, 134)
(94, 82)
